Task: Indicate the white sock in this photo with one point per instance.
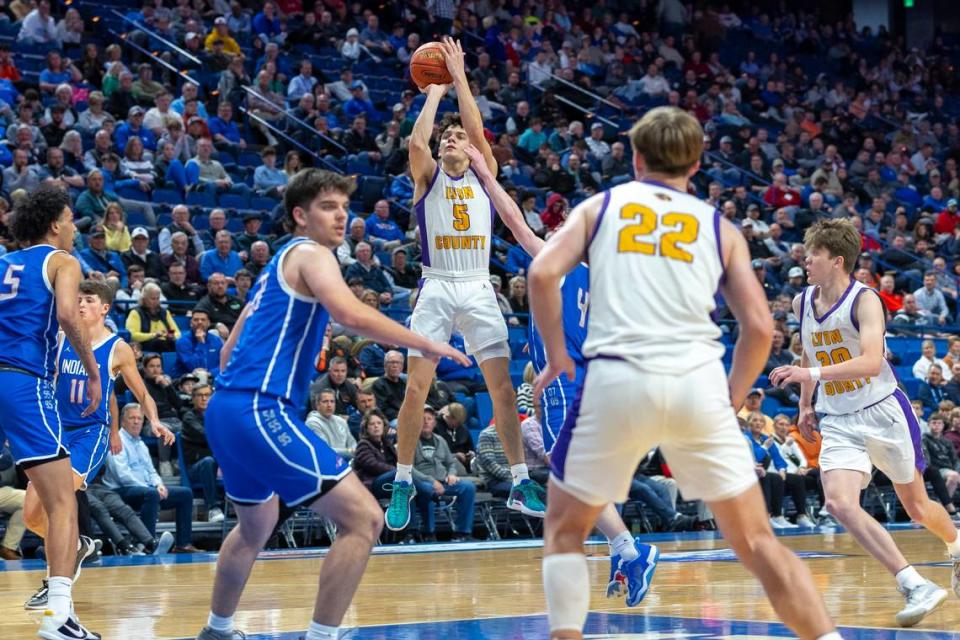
(567, 586)
(519, 472)
(319, 631)
(954, 547)
(220, 623)
(833, 635)
(908, 578)
(623, 546)
(59, 599)
(404, 473)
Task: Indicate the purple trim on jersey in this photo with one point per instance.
(803, 306)
(453, 177)
(422, 220)
(657, 183)
(603, 210)
(716, 232)
(914, 426)
(853, 307)
(835, 306)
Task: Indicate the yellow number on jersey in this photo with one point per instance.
(838, 355)
(686, 231)
(461, 219)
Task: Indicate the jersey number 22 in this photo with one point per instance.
(685, 230)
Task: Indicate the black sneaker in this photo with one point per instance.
(88, 547)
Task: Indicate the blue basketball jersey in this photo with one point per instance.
(559, 395)
(72, 384)
(28, 312)
(280, 339)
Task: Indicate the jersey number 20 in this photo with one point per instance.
(685, 230)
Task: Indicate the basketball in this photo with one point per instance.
(427, 66)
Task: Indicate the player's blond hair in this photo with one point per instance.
(838, 237)
(669, 139)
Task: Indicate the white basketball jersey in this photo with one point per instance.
(456, 219)
(655, 266)
(835, 338)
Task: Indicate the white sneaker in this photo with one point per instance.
(69, 629)
(920, 602)
(166, 469)
(783, 523)
(775, 523)
(215, 515)
(805, 522)
(955, 575)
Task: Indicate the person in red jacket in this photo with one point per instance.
(555, 213)
(780, 195)
(948, 219)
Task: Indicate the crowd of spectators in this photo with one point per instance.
(177, 179)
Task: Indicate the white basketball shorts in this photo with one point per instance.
(623, 411)
(470, 307)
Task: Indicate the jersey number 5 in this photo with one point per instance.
(12, 280)
(685, 230)
(461, 219)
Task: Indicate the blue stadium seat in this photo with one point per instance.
(235, 224)
(167, 196)
(371, 190)
(136, 219)
(169, 363)
(484, 408)
(249, 159)
(263, 203)
(234, 201)
(205, 199)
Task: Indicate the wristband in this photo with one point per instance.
(815, 373)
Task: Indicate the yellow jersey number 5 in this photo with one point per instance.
(461, 219)
(684, 230)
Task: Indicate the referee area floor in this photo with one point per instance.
(492, 590)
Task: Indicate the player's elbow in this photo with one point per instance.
(758, 325)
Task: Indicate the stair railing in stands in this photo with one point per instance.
(122, 37)
(591, 94)
(293, 141)
(300, 122)
(587, 112)
(140, 27)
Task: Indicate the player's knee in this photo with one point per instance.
(841, 508)
(918, 509)
(756, 549)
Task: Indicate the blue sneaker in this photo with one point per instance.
(618, 582)
(527, 497)
(397, 516)
(639, 573)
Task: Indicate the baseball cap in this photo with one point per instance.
(427, 407)
(399, 107)
(97, 231)
(220, 20)
(866, 255)
(495, 279)
(135, 111)
(356, 84)
(726, 139)
(753, 207)
(352, 32)
(596, 125)
(354, 280)
(756, 391)
(139, 232)
(191, 35)
(747, 224)
(952, 202)
(757, 264)
(251, 216)
(795, 272)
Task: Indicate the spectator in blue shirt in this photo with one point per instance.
(134, 127)
(531, 139)
(375, 39)
(132, 475)
(384, 232)
(224, 131)
(101, 259)
(267, 179)
(357, 104)
(188, 93)
(368, 270)
(200, 348)
(221, 259)
(56, 73)
(302, 83)
(266, 25)
(767, 457)
(930, 299)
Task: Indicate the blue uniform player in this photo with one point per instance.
(38, 296)
(632, 564)
(254, 424)
(88, 437)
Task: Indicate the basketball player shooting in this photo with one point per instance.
(455, 217)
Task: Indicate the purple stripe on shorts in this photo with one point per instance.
(911, 417)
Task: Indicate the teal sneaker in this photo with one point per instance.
(397, 516)
(527, 498)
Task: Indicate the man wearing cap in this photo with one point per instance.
(794, 284)
(134, 127)
(101, 259)
(753, 403)
(434, 459)
(599, 149)
(244, 240)
(760, 270)
(358, 104)
(221, 33)
(947, 220)
(399, 115)
(140, 254)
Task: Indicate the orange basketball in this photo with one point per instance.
(427, 66)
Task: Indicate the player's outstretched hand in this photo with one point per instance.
(116, 444)
(94, 395)
(437, 88)
(161, 431)
(554, 368)
(453, 55)
(478, 163)
(782, 376)
(438, 350)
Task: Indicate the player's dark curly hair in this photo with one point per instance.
(34, 214)
(307, 184)
(450, 119)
